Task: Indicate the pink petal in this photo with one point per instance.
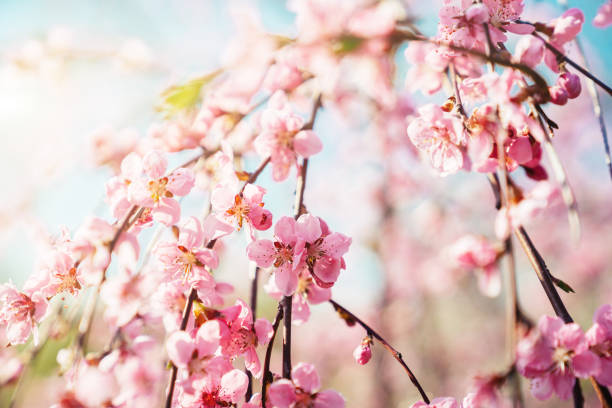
(586, 364)
(329, 399)
(541, 387)
(306, 143)
(285, 230)
(207, 338)
(180, 348)
(305, 376)
(234, 385)
(261, 252)
(286, 279)
(131, 167)
(263, 330)
(308, 228)
(181, 181)
(282, 394)
(167, 211)
(154, 164)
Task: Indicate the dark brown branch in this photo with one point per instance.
(350, 317)
(540, 82)
(561, 57)
(253, 176)
(253, 305)
(186, 313)
(267, 375)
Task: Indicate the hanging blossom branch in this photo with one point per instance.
(539, 82)
(298, 210)
(350, 319)
(512, 307)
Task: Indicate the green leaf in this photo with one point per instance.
(185, 96)
(562, 285)
(346, 43)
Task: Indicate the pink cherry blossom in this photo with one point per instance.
(303, 390)
(245, 206)
(19, 314)
(282, 137)
(307, 293)
(440, 136)
(285, 253)
(216, 391)
(554, 356)
(241, 335)
(142, 182)
(603, 18)
(324, 249)
(186, 257)
(474, 252)
(599, 339)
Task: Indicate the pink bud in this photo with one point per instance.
(477, 14)
(571, 83)
(558, 95)
(363, 352)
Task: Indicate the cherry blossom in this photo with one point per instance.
(554, 356)
(282, 137)
(303, 390)
(599, 339)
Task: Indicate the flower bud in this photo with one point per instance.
(570, 83)
(363, 352)
(558, 95)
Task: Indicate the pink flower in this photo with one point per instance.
(529, 51)
(542, 196)
(216, 391)
(441, 402)
(241, 336)
(599, 338)
(124, 295)
(567, 26)
(19, 314)
(554, 357)
(186, 257)
(440, 136)
(324, 249)
(282, 137)
(193, 350)
(152, 189)
(363, 352)
(244, 206)
(303, 390)
(474, 252)
(285, 253)
(307, 293)
(604, 15)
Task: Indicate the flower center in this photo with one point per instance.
(240, 210)
(284, 253)
(157, 188)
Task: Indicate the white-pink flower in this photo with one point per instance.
(282, 138)
(440, 136)
(143, 182)
(246, 206)
(303, 390)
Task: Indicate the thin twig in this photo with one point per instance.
(346, 314)
(596, 106)
(564, 58)
(253, 305)
(267, 375)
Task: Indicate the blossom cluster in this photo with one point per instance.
(182, 335)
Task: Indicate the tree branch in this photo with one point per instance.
(351, 319)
